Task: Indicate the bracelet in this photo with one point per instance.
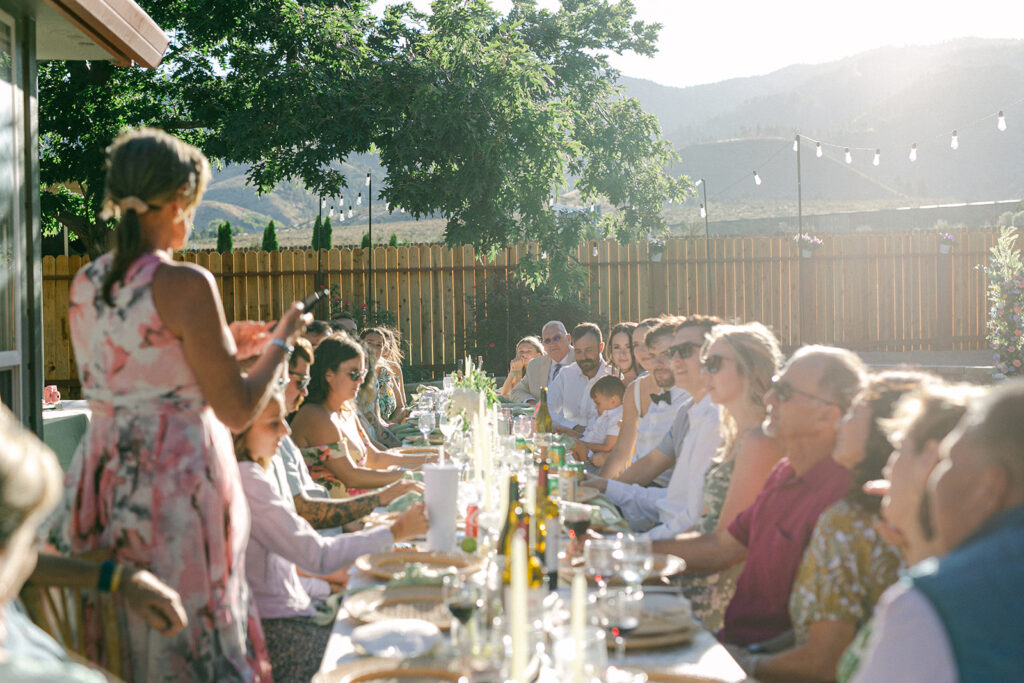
(107, 570)
(115, 581)
(288, 348)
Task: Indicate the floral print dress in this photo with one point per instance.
(156, 484)
(386, 393)
(317, 457)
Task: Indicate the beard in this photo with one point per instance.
(587, 365)
(665, 379)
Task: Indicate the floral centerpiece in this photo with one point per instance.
(1005, 273)
(470, 387)
(808, 243)
(946, 241)
(655, 247)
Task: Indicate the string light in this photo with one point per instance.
(1001, 121)
(367, 180)
(817, 149)
(878, 157)
(359, 199)
(757, 178)
(913, 152)
(849, 157)
(703, 212)
(796, 144)
(350, 211)
(594, 252)
(330, 214)
(954, 142)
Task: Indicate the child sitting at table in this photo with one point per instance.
(603, 431)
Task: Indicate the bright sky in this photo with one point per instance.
(712, 40)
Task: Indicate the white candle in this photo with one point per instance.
(578, 623)
(517, 610)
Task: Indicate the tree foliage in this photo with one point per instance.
(270, 238)
(477, 116)
(225, 239)
(316, 233)
(1005, 324)
(326, 234)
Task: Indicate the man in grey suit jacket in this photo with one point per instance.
(541, 370)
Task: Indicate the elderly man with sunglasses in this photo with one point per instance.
(289, 470)
(687, 445)
(542, 370)
(804, 405)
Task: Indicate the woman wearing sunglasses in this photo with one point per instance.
(337, 450)
(738, 364)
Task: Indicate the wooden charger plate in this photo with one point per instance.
(400, 602)
(377, 670)
(387, 565)
(680, 634)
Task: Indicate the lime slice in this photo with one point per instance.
(469, 544)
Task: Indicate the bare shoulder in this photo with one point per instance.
(758, 446)
(313, 426)
(184, 277)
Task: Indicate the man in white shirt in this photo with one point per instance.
(542, 370)
(569, 399)
(687, 448)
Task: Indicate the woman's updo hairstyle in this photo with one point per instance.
(146, 169)
(331, 353)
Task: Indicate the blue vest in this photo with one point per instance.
(978, 592)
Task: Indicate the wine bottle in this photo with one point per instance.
(534, 572)
(549, 528)
(512, 518)
(542, 422)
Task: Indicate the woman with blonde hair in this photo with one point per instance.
(155, 481)
(738, 362)
(383, 346)
(527, 349)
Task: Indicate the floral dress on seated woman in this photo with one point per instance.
(351, 445)
(386, 392)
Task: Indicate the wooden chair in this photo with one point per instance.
(58, 611)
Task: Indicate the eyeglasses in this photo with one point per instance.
(552, 340)
(713, 363)
(784, 391)
(303, 380)
(357, 375)
(683, 351)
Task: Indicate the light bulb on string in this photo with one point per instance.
(594, 252)
(849, 157)
(330, 214)
(878, 157)
(341, 216)
(1001, 121)
(796, 144)
(350, 211)
(367, 179)
(913, 152)
(757, 178)
(323, 203)
(698, 183)
(954, 142)
(703, 212)
(359, 199)
(817, 149)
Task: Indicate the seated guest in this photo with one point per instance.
(541, 371)
(957, 616)
(327, 427)
(603, 431)
(635, 402)
(620, 353)
(922, 419)
(344, 322)
(847, 564)
(281, 543)
(804, 405)
(369, 409)
(392, 356)
(569, 394)
(390, 394)
(527, 349)
(316, 332)
(689, 442)
(312, 501)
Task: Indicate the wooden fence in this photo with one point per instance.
(868, 292)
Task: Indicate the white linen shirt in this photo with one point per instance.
(601, 427)
(280, 542)
(569, 399)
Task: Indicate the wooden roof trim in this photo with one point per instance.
(120, 27)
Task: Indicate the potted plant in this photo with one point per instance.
(655, 247)
(808, 244)
(946, 241)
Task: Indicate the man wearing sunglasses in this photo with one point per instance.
(542, 370)
(804, 405)
(312, 500)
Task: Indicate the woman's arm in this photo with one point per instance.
(313, 427)
(187, 301)
(619, 456)
(755, 460)
(816, 660)
(378, 459)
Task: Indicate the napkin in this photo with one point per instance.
(405, 501)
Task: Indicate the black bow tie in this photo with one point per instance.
(665, 396)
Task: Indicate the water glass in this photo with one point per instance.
(593, 653)
(522, 427)
(636, 559)
(601, 558)
(448, 384)
(464, 599)
(426, 423)
(620, 613)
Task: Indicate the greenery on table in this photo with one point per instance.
(474, 378)
(1005, 273)
(476, 115)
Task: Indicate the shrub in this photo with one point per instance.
(326, 234)
(393, 241)
(225, 241)
(270, 238)
(316, 233)
(365, 243)
(1005, 273)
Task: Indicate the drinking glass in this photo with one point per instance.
(575, 518)
(463, 599)
(601, 559)
(620, 615)
(636, 559)
(448, 384)
(426, 424)
(448, 424)
(522, 427)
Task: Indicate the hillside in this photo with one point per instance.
(886, 98)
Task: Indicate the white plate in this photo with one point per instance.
(392, 638)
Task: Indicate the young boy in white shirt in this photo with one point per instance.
(603, 431)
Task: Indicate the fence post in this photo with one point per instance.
(808, 308)
(944, 302)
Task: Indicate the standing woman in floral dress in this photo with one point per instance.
(155, 482)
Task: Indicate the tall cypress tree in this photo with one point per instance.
(366, 243)
(270, 237)
(316, 233)
(225, 242)
(326, 234)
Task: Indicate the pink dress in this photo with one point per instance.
(155, 480)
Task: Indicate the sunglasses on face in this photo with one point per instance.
(713, 363)
(552, 340)
(302, 381)
(356, 375)
(683, 351)
(784, 391)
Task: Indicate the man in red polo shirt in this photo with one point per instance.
(804, 405)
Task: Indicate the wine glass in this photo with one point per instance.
(426, 423)
(522, 427)
(620, 616)
(600, 557)
(463, 599)
(448, 384)
(636, 559)
(448, 424)
(576, 518)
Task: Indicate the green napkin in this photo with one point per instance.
(604, 515)
(405, 501)
(418, 574)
